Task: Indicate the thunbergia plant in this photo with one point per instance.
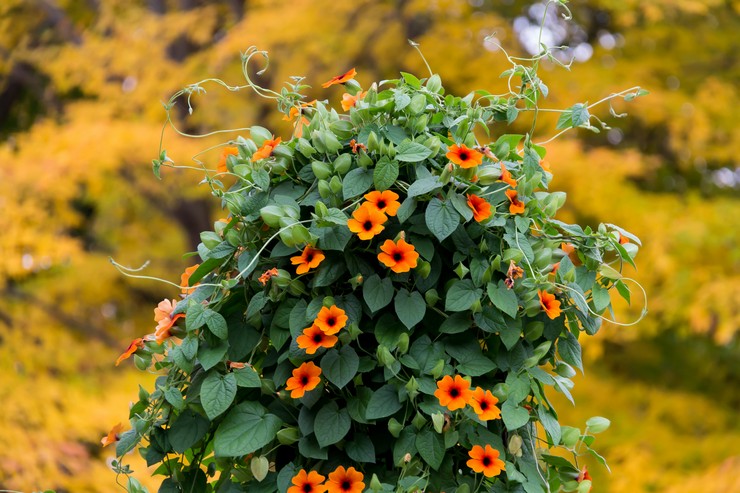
(382, 307)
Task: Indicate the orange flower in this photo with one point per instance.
(366, 221)
(356, 146)
(400, 257)
(307, 482)
(331, 320)
(506, 177)
(463, 156)
(345, 481)
(267, 275)
(136, 344)
(623, 239)
(486, 461)
(555, 268)
(266, 150)
(163, 315)
(484, 403)
(185, 279)
(481, 207)
(228, 151)
(295, 114)
(549, 304)
(308, 259)
(305, 378)
(545, 166)
(340, 79)
(514, 272)
(112, 436)
(453, 393)
(385, 202)
(235, 365)
(516, 206)
(570, 251)
(313, 338)
(349, 101)
(583, 475)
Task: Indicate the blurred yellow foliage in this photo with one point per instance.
(76, 187)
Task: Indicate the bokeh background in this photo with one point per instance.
(81, 83)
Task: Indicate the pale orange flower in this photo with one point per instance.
(266, 150)
(349, 101)
(163, 315)
(545, 166)
(185, 278)
(340, 79)
(113, 435)
(506, 177)
(228, 151)
(135, 345)
(267, 275)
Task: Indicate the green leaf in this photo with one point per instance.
(597, 424)
(601, 297)
(455, 323)
(246, 429)
(217, 393)
(410, 307)
(514, 416)
(441, 218)
(204, 268)
(361, 449)
(411, 80)
(210, 356)
(383, 403)
(195, 317)
(247, 262)
(216, 324)
(460, 204)
(189, 346)
(127, 441)
(308, 447)
(574, 116)
(424, 186)
(187, 430)
(407, 208)
(476, 366)
(550, 423)
(256, 304)
(385, 173)
(247, 377)
(377, 293)
(340, 367)
(222, 250)
(331, 424)
(412, 152)
(431, 447)
(461, 296)
(357, 182)
(174, 397)
(503, 298)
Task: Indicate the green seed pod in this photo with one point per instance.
(501, 391)
(342, 164)
(570, 436)
(372, 143)
(271, 215)
(331, 142)
(487, 175)
(320, 209)
(417, 104)
(412, 387)
(434, 84)
(403, 343)
(364, 161)
(423, 268)
(283, 151)
(335, 184)
(419, 421)
(288, 436)
(291, 211)
(431, 297)
(259, 466)
(321, 170)
(597, 424)
(419, 124)
(317, 139)
(434, 145)
(324, 189)
(384, 356)
(279, 165)
(305, 147)
(394, 427)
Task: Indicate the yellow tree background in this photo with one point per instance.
(80, 116)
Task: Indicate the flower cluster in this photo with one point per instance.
(387, 298)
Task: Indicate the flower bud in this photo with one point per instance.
(446, 174)
(384, 356)
(375, 484)
(461, 270)
(434, 84)
(364, 161)
(412, 387)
